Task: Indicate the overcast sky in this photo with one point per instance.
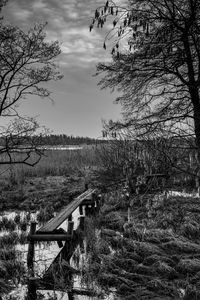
(79, 104)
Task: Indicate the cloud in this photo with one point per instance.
(68, 22)
(38, 5)
(23, 14)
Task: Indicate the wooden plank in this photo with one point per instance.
(65, 212)
(88, 202)
(49, 237)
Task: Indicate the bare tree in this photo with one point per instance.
(155, 64)
(26, 65)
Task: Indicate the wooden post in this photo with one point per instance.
(87, 210)
(82, 222)
(99, 201)
(82, 228)
(129, 214)
(95, 203)
(32, 294)
(81, 210)
(163, 184)
(70, 227)
(32, 291)
(92, 208)
(30, 255)
(70, 295)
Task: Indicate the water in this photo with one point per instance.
(68, 147)
(45, 253)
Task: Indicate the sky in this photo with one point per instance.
(79, 105)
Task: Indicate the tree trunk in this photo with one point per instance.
(197, 140)
(194, 94)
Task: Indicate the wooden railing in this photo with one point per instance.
(50, 232)
(66, 212)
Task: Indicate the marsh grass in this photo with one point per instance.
(18, 222)
(22, 238)
(45, 214)
(7, 253)
(12, 270)
(9, 239)
(7, 224)
(53, 163)
(5, 287)
(23, 226)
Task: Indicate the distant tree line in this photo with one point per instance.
(63, 139)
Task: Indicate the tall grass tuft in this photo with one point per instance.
(45, 214)
(9, 240)
(23, 225)
(7, 224)
(12, 270)
(12, 239)
(7, 253)
(22, 238)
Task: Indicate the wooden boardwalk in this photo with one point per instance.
(72, 238)
(66, 212)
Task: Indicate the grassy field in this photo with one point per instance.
(56, 179)
(54, 163)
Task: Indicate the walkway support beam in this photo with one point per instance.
(49, 237)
